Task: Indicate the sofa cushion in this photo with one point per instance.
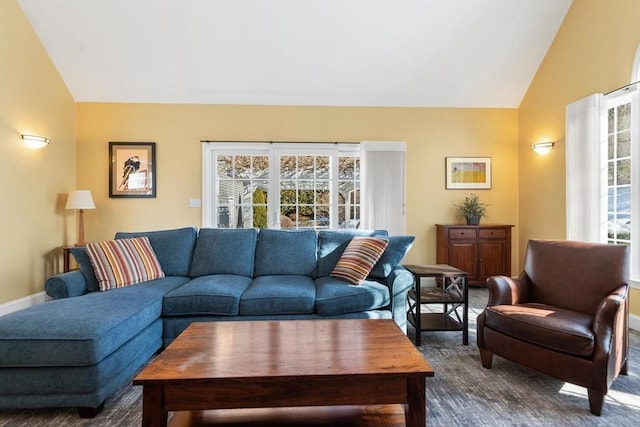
(123, 262)
(281, 252)
(332, 243)
(395, 251)
(283, 294)
(216, 294)
(224, 251)
(545, 326)
(81, 331)
(173, 248)
(333, 296)
(82, 258)
(358, 258)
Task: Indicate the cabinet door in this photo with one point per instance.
(462, 255)
(491, 254)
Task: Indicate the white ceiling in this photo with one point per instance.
(434, 53)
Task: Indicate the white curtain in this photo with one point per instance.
(383, 186)
(586, 171)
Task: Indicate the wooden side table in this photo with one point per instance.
(452, 292)
(66, 258)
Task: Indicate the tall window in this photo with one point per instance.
(619, 171)
(270, 185)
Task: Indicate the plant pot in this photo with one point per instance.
(473, 220)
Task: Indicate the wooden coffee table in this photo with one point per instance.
(266, 364)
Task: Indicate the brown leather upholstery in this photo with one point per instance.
(566, 315)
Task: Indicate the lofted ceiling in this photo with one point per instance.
(425, 53)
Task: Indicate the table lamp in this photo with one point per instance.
(81, 200)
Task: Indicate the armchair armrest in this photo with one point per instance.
(609, 316)
(504, 290)
(66, 285)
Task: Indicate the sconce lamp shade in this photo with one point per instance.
(543, 147)
(80, 199)
(34, 141)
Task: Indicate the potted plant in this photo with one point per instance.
(472, 209)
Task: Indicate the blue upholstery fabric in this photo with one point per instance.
(224, 251)
(395, 251)
(85, 386)
(216, 294)
(81, 331)
(332, 243)
(66, 285)
(284, 294)
(286, 252)
(173, 248)
(60, 379)
(82, 258)
(334, 296)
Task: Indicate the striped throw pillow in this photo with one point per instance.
(123, 262)
(358, 259)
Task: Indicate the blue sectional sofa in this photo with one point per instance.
(80, 347)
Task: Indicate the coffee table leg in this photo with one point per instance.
(416, 413)
(154, 413)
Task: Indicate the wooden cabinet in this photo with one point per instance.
(480, 250)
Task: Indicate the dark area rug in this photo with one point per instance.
(462, 393)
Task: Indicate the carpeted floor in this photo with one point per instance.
(462, 393)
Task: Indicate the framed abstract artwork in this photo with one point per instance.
(132, 169)
(467, 172)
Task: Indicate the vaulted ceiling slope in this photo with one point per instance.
(431, 53)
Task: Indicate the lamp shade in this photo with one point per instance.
(35, 142)
(543, 147)
(80, 199)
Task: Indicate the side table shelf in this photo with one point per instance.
(451, 292)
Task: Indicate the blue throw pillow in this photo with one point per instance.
(224, 251)
(173, 248)
(281, 252)
(82, 258)
(396, 250)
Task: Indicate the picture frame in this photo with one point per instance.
(464, 173)
(132, 169)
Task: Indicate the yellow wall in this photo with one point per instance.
(33, 100)
(431, 135)
(592, 53)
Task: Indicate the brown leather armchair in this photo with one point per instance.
(566, 315)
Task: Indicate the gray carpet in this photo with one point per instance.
(462, 393)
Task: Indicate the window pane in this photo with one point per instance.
(225, 166)
(261, 167)
(611, 120)
(623, 172)
(611, 147)
(624, 117)
(611, 174)
(322, 167)
(624, 144)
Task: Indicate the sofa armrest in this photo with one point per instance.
(66, 285)
(399, 282)
(504, 290)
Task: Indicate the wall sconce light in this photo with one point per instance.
(35, 142)
(543, 147)
(80, 200)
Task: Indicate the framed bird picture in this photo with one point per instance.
(132, 169)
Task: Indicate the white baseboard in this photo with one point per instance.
(19, 304)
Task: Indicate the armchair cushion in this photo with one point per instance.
(545, 326)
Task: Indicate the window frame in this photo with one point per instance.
(210, 151)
